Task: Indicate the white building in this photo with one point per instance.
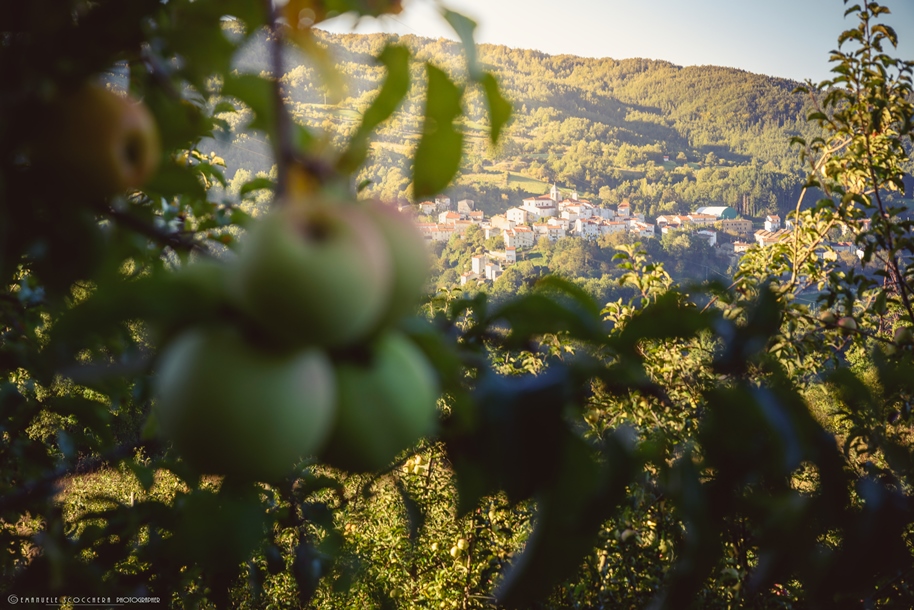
(525, 238)
(587, 228)
(478, 264)
(540, 207)
(518, 237)
(442, 232)
(465, 206)
(517, 216)
(500, 221)
(772, 223)
(708, 235)
(492, 271)
(449, 218)
(604, 213)
(766, 238)
(613, 226)
(552, 232)
(641, 229)
(700, 219)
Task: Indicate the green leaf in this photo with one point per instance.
(534, 315)
(258, 94)
(569, 515)
(499, 108)
(396, 59)
(568, 288)
(438, 154)
(172, 180)
(257, 184)
(198, 37)
(144, 474)
(224, 106)
(464, 27)
(514, 436)
(667, 318)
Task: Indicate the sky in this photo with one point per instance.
(787, 38)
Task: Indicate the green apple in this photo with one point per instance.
(231, 408)
(847, 325)
(191, 295)
(904, 335)
(410, 258)
(387, 402)
(314, 275)
(828, 318)
(101, 142)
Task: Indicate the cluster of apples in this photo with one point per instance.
(316, 367)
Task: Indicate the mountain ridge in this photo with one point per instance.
(668, 138)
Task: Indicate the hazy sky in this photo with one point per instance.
(790, 38)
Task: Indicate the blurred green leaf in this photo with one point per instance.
(257, 93)
(464, 28)
(438, 154)
(396, 59)
(257, 184)
(569, 514)
(499, 108)
(532, 315)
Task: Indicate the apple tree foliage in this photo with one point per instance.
(716, 445)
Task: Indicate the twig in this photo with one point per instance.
(176, 241)
(282, 141)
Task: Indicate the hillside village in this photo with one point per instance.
(556, 215)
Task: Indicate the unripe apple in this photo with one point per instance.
(847, 325)
(828, 318)
(231, 408)
(410, 258)
(100, 142)
(192, 295)
(461, 543)
(387, 402)
(904, 335)
(314, 275)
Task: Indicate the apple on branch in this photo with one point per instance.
(314, 274)
(387, 402)
(232, 408)
(101, 142)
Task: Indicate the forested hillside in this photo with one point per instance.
(667, 138)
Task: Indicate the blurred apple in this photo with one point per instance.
(410, 260)
(191, 295)
(315, 275)
(101, 142)
(231, 408)
(847, 325)
(387, 402)
(904, 335)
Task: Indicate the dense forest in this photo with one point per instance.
(665, 137)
